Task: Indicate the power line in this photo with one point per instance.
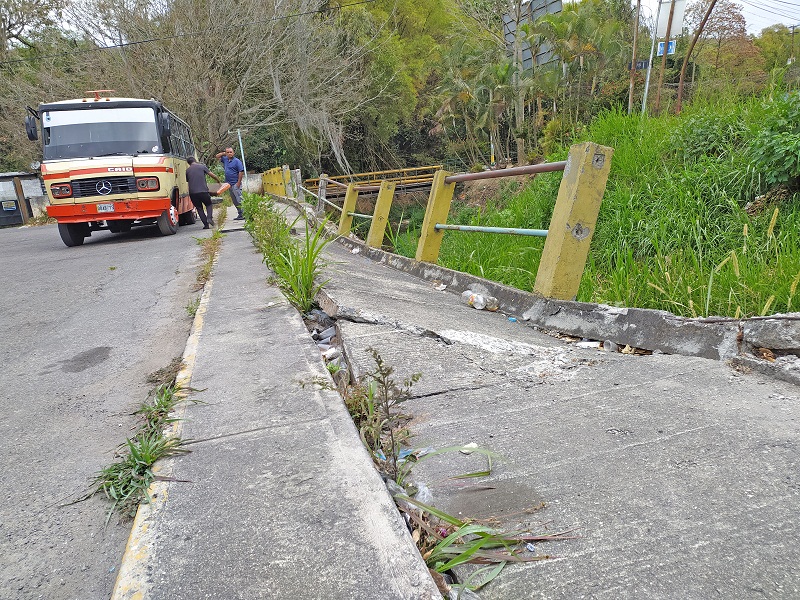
(765, 9)
(177, 35)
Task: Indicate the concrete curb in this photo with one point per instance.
(655, 330)
(131, 582)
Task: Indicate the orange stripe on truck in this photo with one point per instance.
(127, 209)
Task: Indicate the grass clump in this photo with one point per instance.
(41, 219)
(209, 248)
(444, 541)
(192, 306)
(297, 264)
(126, 481)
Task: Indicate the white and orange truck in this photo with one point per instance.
(111, 163)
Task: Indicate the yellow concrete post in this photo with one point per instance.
(380, 216)
(437, 210)
(346, 222)
(573, 223)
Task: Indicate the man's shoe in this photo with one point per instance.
(211, 222)
(205, 226)
(239, 218)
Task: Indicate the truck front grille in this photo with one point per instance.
(84, 188)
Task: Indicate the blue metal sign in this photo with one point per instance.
(670, 48)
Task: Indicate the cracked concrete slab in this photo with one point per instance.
(680, 473)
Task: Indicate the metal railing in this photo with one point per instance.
(566, 240)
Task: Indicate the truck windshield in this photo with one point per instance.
(99, 132)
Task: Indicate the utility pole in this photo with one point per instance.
(633, 56)
(241, 150)
(696, 37)
(664, 58)
(791, 58)
(650, 61)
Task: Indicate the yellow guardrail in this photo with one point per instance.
(567, 239)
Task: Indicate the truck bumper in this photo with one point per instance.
(122, 209)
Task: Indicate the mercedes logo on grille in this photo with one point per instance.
(103, 187)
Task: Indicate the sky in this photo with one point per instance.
(758, 13)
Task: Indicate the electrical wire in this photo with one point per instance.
(176, 36)
(769, 10)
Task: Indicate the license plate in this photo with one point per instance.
(105, 207)
(9, 205)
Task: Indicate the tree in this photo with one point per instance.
(726, 26)
(19, 19)
(283, 66)
(775, 44)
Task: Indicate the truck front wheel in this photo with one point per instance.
(168, 221)
(72, 234)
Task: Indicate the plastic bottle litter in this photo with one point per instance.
(479, 301)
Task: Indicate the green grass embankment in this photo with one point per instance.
(684, 225)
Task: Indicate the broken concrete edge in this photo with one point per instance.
(132, 579)
(654, 330)
(394, 541)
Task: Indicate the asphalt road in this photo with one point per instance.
(80, 330)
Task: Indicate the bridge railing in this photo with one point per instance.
(410, 176)
(567, 239)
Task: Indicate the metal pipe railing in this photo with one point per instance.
(526, 170)
(355, 214)
(506, 230)
(329, 203)
(335, 182)
(307, 191)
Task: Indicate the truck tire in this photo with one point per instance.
(72, 234)
(187, 218)
(168, 221)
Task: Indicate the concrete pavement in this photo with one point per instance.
(277, 498)
(681, 473)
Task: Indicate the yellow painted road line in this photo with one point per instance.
(131, 582)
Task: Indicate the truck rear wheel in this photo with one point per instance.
(187, 218)
(72, 234)
(168, 221)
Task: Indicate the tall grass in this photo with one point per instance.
(673, 232)
(297, 264)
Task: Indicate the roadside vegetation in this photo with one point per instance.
(700, 215)
(445, 541)
(375, 405)
(297, 263)
(125, 482)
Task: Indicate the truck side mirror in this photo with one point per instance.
(166, 125)
(31, 129)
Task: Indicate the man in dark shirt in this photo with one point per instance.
(234, 170)
(198, 190)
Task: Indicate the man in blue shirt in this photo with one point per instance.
(234, 170)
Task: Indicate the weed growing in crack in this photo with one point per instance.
(372, 403)
(297, 264)
(126, 481)
(444, 541)
(209, 249)
(333, 368)
(192, 306)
